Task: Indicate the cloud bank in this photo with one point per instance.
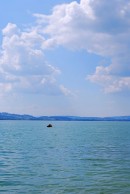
(101, 27)
(23, 67)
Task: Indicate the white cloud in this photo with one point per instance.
(110, 83)
(101, 27)
(23, 66)
(85, 25)
(66, 91)
(10, 30)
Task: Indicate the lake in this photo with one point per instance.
(69, 158)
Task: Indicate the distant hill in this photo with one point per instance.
(9, 116)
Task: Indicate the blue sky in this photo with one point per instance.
(64, 57)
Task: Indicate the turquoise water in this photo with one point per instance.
(70, 157)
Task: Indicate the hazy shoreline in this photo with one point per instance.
(10, 116)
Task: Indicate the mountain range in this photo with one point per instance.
(10, 116)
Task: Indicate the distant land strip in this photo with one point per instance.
(10, 116)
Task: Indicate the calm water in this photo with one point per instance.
(71, 157)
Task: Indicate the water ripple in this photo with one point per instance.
(71, 157)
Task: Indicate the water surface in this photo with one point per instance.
(71, 157)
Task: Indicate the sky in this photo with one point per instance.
(65, 57)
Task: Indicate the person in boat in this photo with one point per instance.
(50, 125)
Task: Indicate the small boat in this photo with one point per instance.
(50, 125)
